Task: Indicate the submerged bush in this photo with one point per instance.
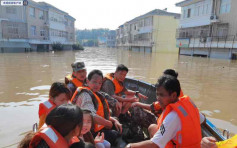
(77, 47)
(57, 46)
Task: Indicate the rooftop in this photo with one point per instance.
(186, 2)
(156, 12)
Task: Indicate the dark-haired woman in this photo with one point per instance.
(58, 94)
(63, 124)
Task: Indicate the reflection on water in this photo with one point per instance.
(26, 78)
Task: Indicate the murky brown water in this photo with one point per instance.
(25, 79)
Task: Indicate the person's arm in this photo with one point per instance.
(84, 101)
(102, 121)
(117, 125)
(142, 105)
(143, 144)
(170, 126)
(132, 93)
(126, 99)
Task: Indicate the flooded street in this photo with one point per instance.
(25, 79)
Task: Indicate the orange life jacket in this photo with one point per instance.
(50, 136)
(75, 81)
(100, 109)
(117, 86)
(46, 107)
(190, 133)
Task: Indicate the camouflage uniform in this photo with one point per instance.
(135, 122)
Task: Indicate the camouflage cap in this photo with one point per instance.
(76, 66)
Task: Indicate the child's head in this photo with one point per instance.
(59, 93)
(67, 119)
(87, 121)
(25, 142)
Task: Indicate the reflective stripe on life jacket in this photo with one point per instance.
(50, 136)
(75, 81)
(100, 109)
(46, 107)
(117, 86)
(190, 134)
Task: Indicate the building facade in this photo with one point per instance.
(36, 26)
(111, 39)
(208, 28)
(153, 31)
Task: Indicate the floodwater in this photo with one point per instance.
(25, 79)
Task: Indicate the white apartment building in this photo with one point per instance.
(208, 28)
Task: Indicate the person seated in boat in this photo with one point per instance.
(99, 140)
(90, 98)
(211, 142)
(113, 85)
(64, 124)
(179, 124)
(58, 94)
(78, 76)
(155, 107)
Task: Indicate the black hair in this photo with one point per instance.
(93, 72)
(58, 88)
(121, 67)
(171, 72)
(82, 145)
(65, 118)
(170, 83)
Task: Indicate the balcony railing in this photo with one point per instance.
(213, 42)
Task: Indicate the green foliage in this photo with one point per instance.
(89, 37)
(57, 46)
(77, 47)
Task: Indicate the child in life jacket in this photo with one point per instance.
(63, 125)
(99, 140)
(58, 94)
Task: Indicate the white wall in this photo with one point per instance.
(56, 25)
(200, 14)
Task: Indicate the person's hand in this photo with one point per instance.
(118, 126)
(208, 142)
(118, 106)
(99, 138)
(142, 96)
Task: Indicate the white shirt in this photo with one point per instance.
(169, 128)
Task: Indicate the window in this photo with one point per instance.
(32, 12)
(11, 10)
(42, 32)
(33, 30)
(207, 8)
(189, 13)
(41, 14)
(225, 6)
(12, 28)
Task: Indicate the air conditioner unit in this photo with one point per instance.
(214, 18)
